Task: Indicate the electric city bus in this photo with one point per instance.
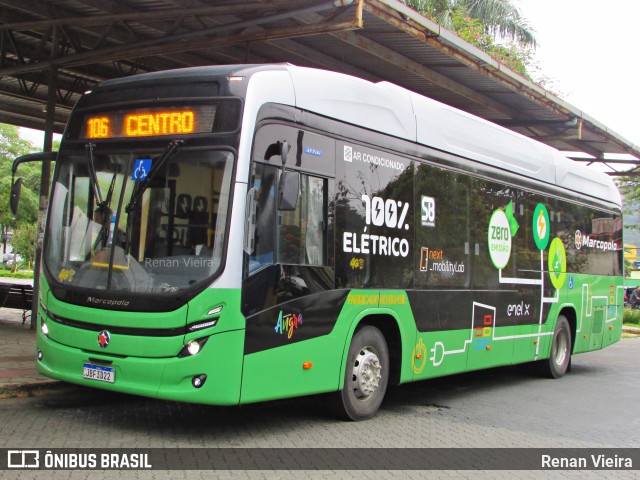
(234, 234)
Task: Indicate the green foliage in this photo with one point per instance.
(514, 56)
(7, 273)
(628, 267)
(480, 22)
(499, 18)
(11, 147)
(631, 316)
(630, 190)
(24, 241)
(440, 11)
(24, 223)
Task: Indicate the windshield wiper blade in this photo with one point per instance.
(141, 185)
(88, 150)
(102, 204)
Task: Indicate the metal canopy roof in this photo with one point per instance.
(88, 41)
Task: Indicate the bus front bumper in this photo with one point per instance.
(218, 366)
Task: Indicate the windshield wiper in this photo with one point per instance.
(88, 150)
(103, 208)
(141, 185)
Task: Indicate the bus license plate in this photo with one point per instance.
(99, 373)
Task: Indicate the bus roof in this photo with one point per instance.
(387, 108)
(395, 111)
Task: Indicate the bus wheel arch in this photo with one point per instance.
(371, 364)
(571, 316)
(388, 326)
(560, 352)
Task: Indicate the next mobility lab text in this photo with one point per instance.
(587, 462)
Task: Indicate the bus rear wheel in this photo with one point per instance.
(560, 357)
(366, 375)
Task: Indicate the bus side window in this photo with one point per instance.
(265, 183)
(301, 233)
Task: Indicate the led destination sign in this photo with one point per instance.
(149, 122)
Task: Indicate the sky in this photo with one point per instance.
(590, 52)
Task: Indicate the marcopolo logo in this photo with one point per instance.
(585, 241)
(109, 302)
(578, 239)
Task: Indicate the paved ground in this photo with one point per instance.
(593, 407)
(18, 375)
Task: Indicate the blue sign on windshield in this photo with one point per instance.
(141, 169)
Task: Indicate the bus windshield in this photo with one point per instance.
(145, 221)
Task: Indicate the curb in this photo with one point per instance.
(37, 389)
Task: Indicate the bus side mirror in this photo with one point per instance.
(289, 191)
(16, 187)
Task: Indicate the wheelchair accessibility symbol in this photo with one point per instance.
(141, 169)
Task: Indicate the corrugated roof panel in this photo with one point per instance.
(395, 45)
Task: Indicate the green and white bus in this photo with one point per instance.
(234, 234)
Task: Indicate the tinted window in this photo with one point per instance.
(374, 218)
(443, 228)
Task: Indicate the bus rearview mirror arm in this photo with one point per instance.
(16, 185)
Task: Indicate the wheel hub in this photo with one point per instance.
(366, 373)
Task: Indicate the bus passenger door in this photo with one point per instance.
(288, 298)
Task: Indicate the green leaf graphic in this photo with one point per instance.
(513, 223)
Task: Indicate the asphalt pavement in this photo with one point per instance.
(18, 374)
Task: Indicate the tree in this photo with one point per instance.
(502, 19)
(629, 187)
(24, 241)
(499, 18)
(480, 22)
(11, 147)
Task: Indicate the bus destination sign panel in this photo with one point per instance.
(149, 122)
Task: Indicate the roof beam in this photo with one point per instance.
(608, 160)
(252, 8)
(395, 58)
(413, 23)
(226, 35)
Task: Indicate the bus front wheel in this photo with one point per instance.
(560, 357)
(366, 375)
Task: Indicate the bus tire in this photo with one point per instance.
(366, 375)
(560, 356)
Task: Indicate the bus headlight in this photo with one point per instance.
(44, 329)
(193, 347)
